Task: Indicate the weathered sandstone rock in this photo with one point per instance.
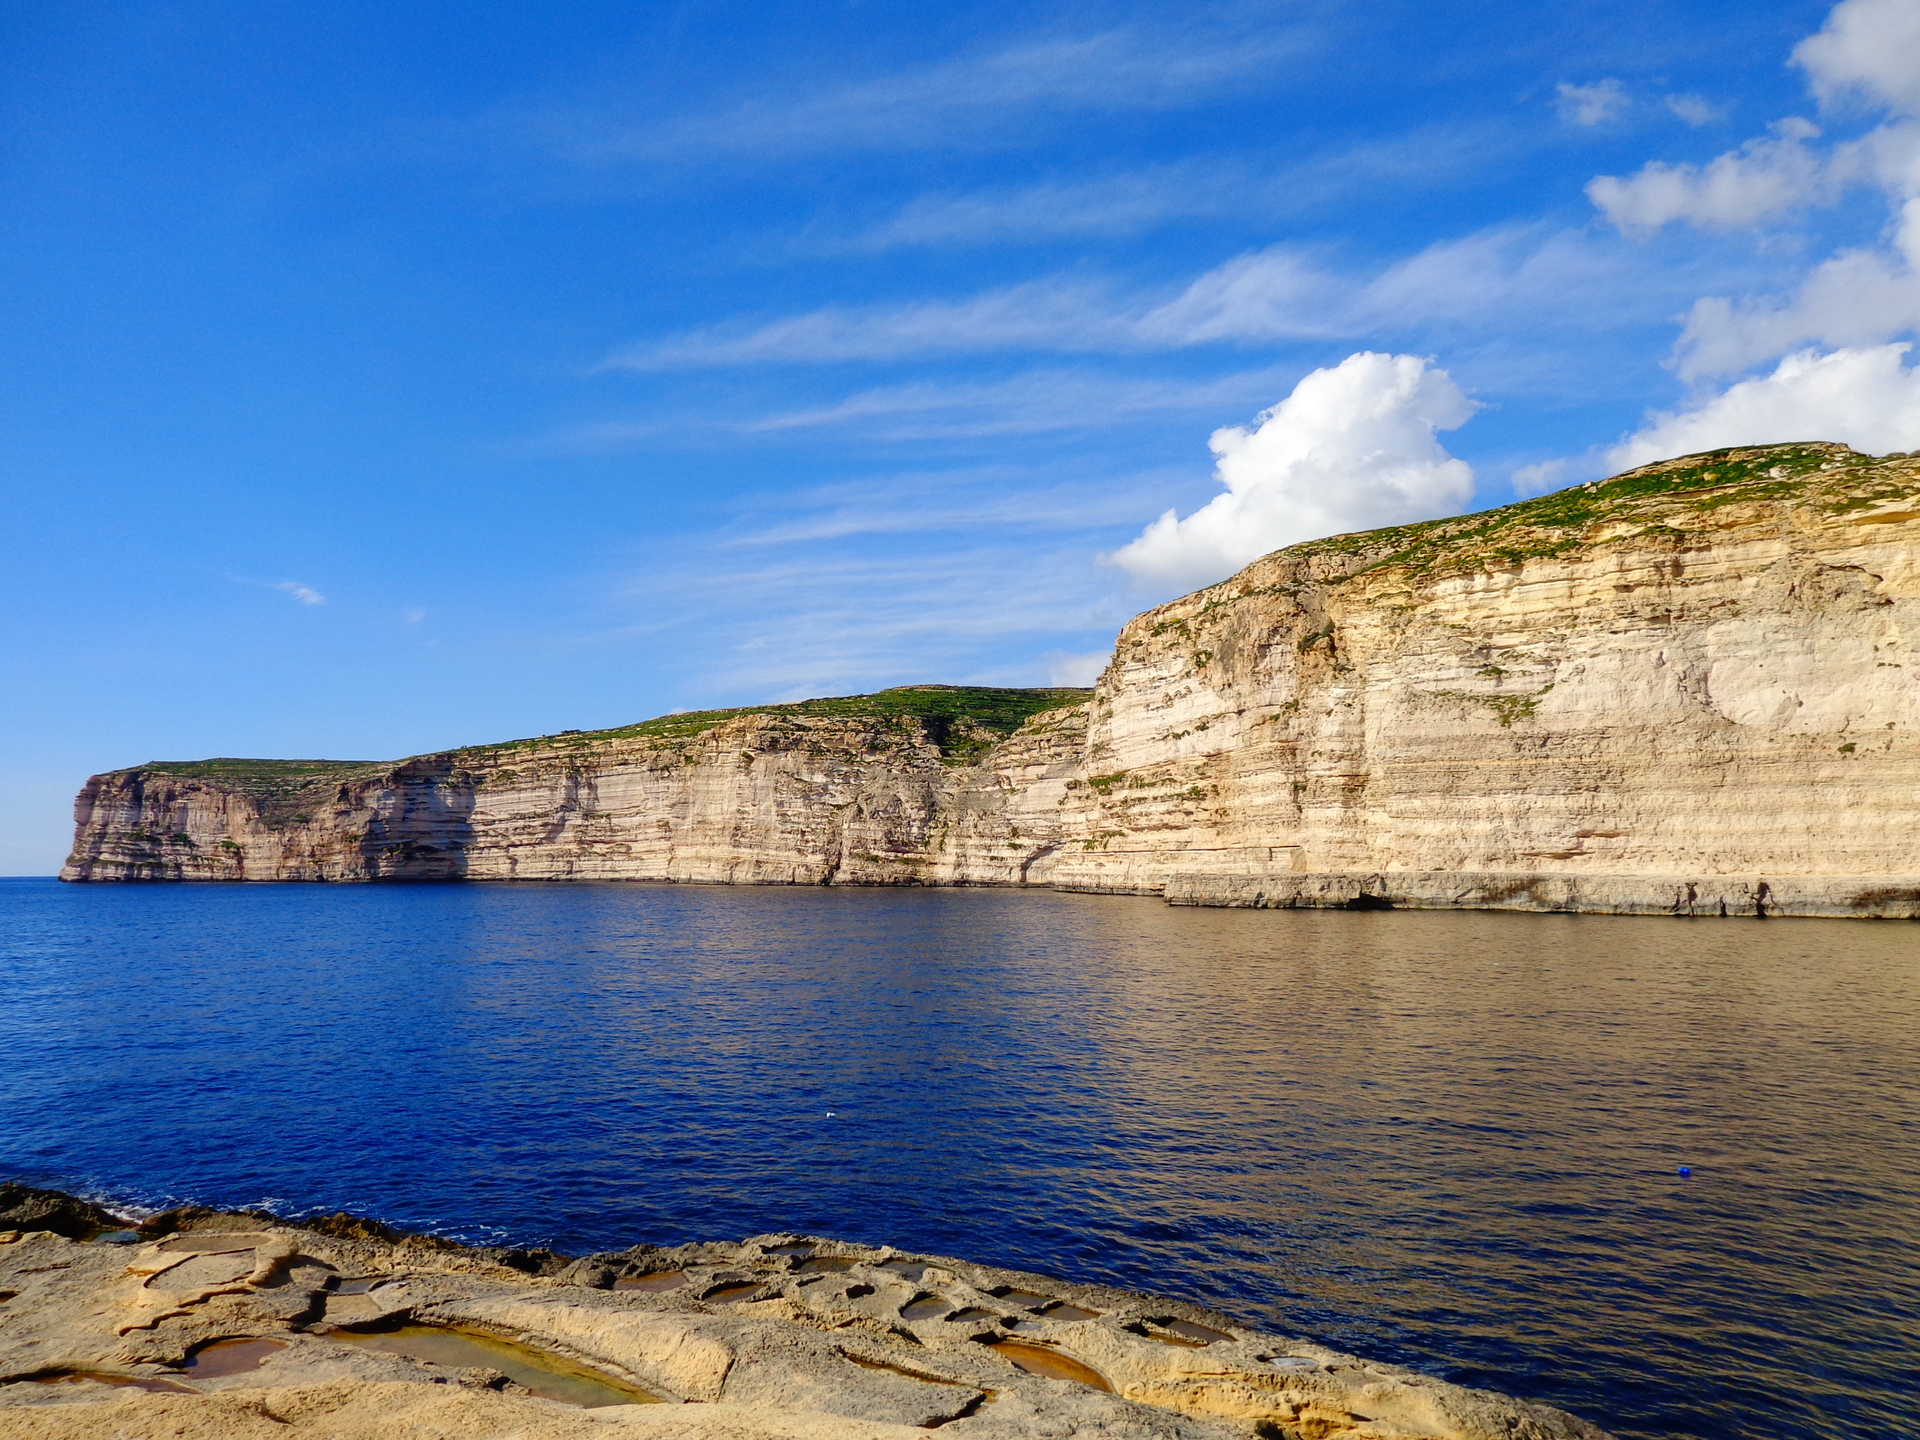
(1685, 690)
(240, 1325)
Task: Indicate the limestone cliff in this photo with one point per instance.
(1687, 688)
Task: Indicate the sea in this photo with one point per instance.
(1664, 1173)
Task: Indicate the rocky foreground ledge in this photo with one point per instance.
(197, 1323)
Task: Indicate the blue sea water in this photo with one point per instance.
(1454, 1141)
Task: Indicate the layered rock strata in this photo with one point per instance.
(237, 1325)
(1685, 690)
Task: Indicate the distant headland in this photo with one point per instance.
(1688, 689)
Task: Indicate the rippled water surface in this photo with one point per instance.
(1449, 1140)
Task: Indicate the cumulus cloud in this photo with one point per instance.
(305, 594)
(1353, 446)
(1868, 398)
(1867, 48)
(1855, 297)
(1695, 110)
(1589, 105)
(1858, 297)
(1766, 177)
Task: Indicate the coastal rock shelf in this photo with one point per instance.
(236, 1325)
(1686, 690)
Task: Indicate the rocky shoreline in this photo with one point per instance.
(200, 1323)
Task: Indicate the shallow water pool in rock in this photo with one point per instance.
(1044, 1360)
(551, 1376)
(156, 1384)
(220, 1358)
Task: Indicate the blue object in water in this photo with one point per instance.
(1686, 1170)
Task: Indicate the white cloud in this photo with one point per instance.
(1483, 281)
(1273, 294)
(1867, 47)
(1077, 669)
(1867, 398)
(305, 594)
(1033, 402)
(1121, 204)
(1600, 103)
(1354, 446)
(1854, 297)
(992, 98)
(1858, 297)
(1765, 178)
(825, 621)
(413, 617)
(1696, 110)
(1004, 498)
(1239, 188)
(1058, 313)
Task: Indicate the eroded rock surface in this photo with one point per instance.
(1688, 690)
(239, 1326)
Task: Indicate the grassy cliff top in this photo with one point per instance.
(264, 777)
(962, 720)
(1670, 493)
(952, 715)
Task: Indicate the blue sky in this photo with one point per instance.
(386, 377)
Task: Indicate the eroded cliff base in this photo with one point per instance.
(1884, 897)
(197, 1323)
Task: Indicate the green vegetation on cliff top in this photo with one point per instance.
(963, 720)
(1671, 491)
(267, 777)
(945, 712)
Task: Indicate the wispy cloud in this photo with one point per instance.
(1695, 110)
(1210, 187)
(995, 97)
(295, 590)
(1033, 402)
(981, 574)
(1479, 283)
(814, 625)
(1029, 402)
(1056, 313)
(1004, 499)
(1599, 103)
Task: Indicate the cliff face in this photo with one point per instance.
(1687, 688)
